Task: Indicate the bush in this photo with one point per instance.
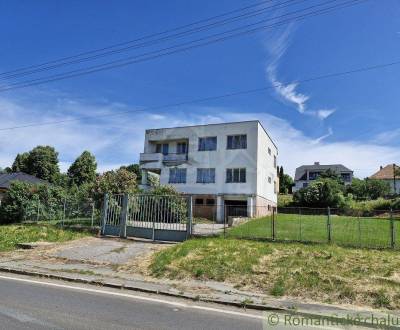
(321, 193)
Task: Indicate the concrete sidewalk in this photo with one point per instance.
(123, 264)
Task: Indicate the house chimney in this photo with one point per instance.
(316, 163)
(381, 167)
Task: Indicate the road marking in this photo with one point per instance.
(132, 296)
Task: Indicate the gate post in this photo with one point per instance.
(189, 224)
(392, 231)
(123, 216)
(104, 214)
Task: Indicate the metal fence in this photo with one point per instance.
(154, 217)
(67, 213)
(380, 229)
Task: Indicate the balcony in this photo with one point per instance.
(174, 159)
(156, 160)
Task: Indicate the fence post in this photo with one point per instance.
(38, 210)
(63, 218)
(392, 231)
(225, 219)
(92, 215)
(189, 224)
(123, 216)
(328, 224)
(273, 224)
(104, 214)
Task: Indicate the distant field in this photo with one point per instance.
(366, 231)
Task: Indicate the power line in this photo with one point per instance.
(153, 42)
(210, 98)
(137, 59)
(140, 38)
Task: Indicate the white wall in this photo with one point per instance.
(221, 159)
(265, 166)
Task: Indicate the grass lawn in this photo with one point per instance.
(11, 235)
(366, 232)
(321, 272)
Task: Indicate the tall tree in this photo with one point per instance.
(83, 169)
(42, 162)
(20, 163)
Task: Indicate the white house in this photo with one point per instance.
(389, 174)
(306, 174)
(219, 164)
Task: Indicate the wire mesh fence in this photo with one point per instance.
(374, 229)
(69, 212)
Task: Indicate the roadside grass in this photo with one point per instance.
(11, 235)
(346, 230)
(319, 272)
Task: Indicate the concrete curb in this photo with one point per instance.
(191, 297)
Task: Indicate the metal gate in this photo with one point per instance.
(163, 218)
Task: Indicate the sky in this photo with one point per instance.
(352, 119)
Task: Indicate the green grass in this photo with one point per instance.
(321, 272)
(365, 232)
(11, 235)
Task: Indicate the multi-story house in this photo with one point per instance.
(308, 173)
(229, 164)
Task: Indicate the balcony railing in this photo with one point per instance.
(175, 158)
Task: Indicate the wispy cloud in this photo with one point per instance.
(277, 46)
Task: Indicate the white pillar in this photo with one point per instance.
(144, 177)
(250, 206)
(220, 209)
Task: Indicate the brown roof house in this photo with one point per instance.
(7, 178)
(391, 174)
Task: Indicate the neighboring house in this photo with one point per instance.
(308, 173)
(7, 178)
(219, 164)
(388, 174)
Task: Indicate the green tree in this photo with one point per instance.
(114, 182)
(134, 168)
(321, 193)
(368, 189)
(83, 169)
(285, 182)
(20, 163)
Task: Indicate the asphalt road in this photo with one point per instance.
(29, 303)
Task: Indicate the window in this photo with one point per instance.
(269, 151)
(237, 142)
(269, 179)
(305, 184)
(346, 177)
(162, 148)
(274, 161)
(206, 175)
(181, 148)
(313, 175)
(235, 175)
(275, 190)
(208, 143)
(177, 175)
(199, 201)
(210, 201)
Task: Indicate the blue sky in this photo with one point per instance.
(351, 120)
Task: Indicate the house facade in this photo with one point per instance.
(389, 174)
(306, 174)
(220, 165)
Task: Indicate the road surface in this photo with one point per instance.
(32, 303)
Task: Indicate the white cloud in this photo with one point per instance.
(156, 116)
(387, 136)
(119, 140)
(277, 45)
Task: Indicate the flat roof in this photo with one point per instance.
(226, 123)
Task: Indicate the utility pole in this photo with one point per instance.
(394, 178)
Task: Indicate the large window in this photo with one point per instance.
(206, 175)
(274, 161)
(177, 175)
(235, 175)
(237, 142)
(162, 148)
(181, 148)
(208, 143)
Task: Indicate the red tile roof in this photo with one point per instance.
(385, 173)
